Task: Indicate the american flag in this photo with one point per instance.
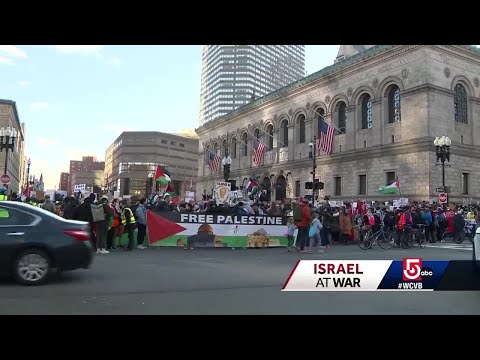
(213, 161)
(325, 137)
(258, 151)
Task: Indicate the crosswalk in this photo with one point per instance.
(466, 245)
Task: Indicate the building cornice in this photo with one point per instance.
(325, 77)
(13, 104)
(427, 88)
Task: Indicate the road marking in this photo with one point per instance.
(465, 247)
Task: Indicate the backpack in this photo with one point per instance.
(297, 214)
(98, 214)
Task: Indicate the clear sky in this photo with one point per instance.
(77, 99)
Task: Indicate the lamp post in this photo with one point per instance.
(226, 162)
(442, 145)
(7, 142)
(28, 178)
(150, 184)
(313, 155)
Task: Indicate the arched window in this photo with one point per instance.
(394, 104)
(216, 149)
(460, 103)
(366, 112)
(301, 129)
(245, 144)
(342, 117)
(224, 148)
(270, 137)
(321, 118)
(284, 137)
(256, 133)
(233, 150)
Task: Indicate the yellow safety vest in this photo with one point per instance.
(4, 214)
(3, 197)
(124, 219)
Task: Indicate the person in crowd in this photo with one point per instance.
(314, 234)
(142, 223)
(84, 213)
(302, 219)
(49, 205)
(290, 233)
(458, 226)
(116, 229)
(128, 222)
(101, 226)
(345, 224)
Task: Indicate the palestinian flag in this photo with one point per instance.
(393, 188)
(251, 184)
(162, 176)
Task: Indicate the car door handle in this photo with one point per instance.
(16, 234)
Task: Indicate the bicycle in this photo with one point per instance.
(414, 237)
(382, 237)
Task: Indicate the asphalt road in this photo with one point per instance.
(224, 281)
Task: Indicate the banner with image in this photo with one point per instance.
(215, 230)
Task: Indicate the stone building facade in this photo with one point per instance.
(16, 160)
(390, 101)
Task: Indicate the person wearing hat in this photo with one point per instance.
(3, 195)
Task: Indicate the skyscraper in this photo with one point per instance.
(234, 75)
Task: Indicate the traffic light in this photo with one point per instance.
(318, 185)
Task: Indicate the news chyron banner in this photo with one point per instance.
(410, 274)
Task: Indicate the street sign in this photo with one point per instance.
(5, 179)
(440, 189)
(442, 198)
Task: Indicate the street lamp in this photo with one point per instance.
(226, 162)
(150, 183)
(442, 145)
(28, 177)
(313, 155)
(7, 142)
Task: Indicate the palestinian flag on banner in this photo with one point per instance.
(162, 176)
(393, 188)
(251, 184)
(173, 228)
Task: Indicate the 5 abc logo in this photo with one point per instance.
(413, 270)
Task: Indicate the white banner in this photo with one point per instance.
(222, 192)
(337, 275)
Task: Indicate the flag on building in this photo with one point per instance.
(161, 176)
(258, 151)
(213, 161)
(393, 188)
(325, 137)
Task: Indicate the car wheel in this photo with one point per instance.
(31, 267)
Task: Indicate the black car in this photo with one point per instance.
(34, 241)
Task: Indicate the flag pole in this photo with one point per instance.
(273, 137)
(257, 139)
(333, 125)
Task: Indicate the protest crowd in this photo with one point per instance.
(309, 227)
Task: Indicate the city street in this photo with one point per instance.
(223, 281)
